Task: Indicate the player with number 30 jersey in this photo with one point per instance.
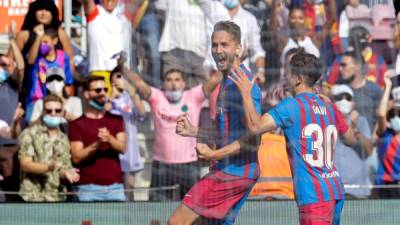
(311, 125)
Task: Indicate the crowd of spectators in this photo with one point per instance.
(65, 129)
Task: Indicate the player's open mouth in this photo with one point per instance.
(221, 61)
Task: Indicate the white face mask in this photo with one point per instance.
(395, 123)
(344, 106)
(55, 87)
(174, 96)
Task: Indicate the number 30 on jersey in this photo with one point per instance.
(322, 144)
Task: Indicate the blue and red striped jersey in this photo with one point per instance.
(311, 126)
(230, 122)
(389, 158)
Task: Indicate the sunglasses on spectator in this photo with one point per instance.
(57, 78)
(346, 96)
(98, 90)
(49, 111)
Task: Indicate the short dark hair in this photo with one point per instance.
(356, 56)
(51, 32)
(52, 98)
(229, 27)
(294, 51)
(306, 65)
(116, 70)
(174, 70)
(91, 79)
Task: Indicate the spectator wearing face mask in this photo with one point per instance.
(175, 159)
(45, 156)
(11, 113)
(388, 143)
(48, 57)
(55, 83)
(350, 160)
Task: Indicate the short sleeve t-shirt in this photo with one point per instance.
(168, 146)
(311, 127)
(103, 168)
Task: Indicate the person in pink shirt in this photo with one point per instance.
(175, 159)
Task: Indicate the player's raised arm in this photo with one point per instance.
(255, 122)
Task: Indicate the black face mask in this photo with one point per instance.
(348, 80)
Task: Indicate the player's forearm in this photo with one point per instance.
(226, 151)
(253, 119)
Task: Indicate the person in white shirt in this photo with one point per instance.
(109, 33)
(183, 41)
(251, 51)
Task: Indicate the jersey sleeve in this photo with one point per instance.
(74, 132)
(155, 95)
(281, 113)
(93, 15)
(256, 96)
(341, 124)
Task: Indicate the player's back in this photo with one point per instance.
(311, 126)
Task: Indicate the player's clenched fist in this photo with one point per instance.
(184, 127)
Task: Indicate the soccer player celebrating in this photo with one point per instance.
(311, 125)
(217, 197)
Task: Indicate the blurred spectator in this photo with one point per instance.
(10, 115)
(109, 33)
(55, 83)
(374, 65)
(366, 94)
(275, 17)
(251, 50)
(127, 103)
(42, 14)
(45, 156)
(97, 138)
(396, 40)
(297, 35)
(388, 145)
(350, 160)
(174, 157)
(354, 9)
(183, 41)
(149, 29)
(49, 57)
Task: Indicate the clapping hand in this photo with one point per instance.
(104, 135)
(72, 175)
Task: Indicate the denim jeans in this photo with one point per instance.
(93, 192)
